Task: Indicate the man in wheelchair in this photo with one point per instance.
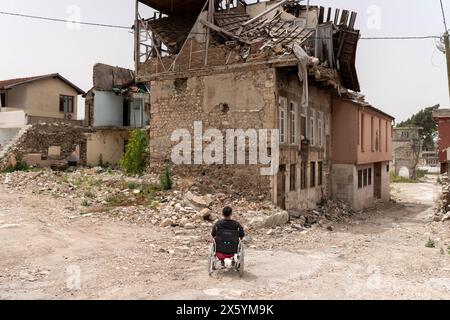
(227, 234)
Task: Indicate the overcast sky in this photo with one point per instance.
(400, 77)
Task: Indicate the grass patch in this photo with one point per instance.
(117, 200)
(18, 167)
(89, 194)
(430, 243)
(397, 179)
(85, 203)
(132, 186)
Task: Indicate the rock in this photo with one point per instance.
(206, 214)
(166, 223)
(446, 217)
(9, 226)
(330, 228)
(278, 219)
(189, 226)
(294, 214)
(297, 227)
(198, 201)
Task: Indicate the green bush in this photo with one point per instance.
(136, 154)
(165, 179)
(20, 166)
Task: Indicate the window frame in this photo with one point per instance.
(293, 111)
(293, 177)
(283, 121)
(63, 99)
(312, 174)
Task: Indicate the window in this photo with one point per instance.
(320, 173)
(311, 128)
(293, 177)
(66, 104)
(304, 123)
(304, 182)
(370, 177)
(293, 109)
(380, 134)
(372, 144)
(387, 133)
(283, 120)
(365, 173)
(362, 132)
(312, 174)
(360, 179)
(319, 130)
(387, 168)
(3, 100)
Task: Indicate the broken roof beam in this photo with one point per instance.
(223, 31)
(262, 14)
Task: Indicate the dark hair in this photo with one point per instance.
(227, 212)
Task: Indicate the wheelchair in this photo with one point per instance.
(227, 245)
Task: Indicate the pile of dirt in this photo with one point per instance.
(442, 211)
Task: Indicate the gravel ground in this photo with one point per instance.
(50, 251)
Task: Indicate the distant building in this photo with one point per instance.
(113, 107)
(361, 153)
(25, 101)
(406, 148)
(442, 118)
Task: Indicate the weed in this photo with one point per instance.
(430, 243)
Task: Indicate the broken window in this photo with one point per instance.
(320, 130)
(313, 175)
(304, 123)
(360, 179)
(320, 173)
(304, 182)
(311, 128)
(66, 104)
(283, 119)
(293, 110)
(293, 177)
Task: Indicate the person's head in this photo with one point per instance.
(227, 212)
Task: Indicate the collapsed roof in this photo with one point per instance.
(264, 29)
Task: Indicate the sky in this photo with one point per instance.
(399, 77)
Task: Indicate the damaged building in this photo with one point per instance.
(239, 65)
(114, 106)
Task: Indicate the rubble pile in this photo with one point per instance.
(442, 212)
(191, 206)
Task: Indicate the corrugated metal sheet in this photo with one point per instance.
(176, 6)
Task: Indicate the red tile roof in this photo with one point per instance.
(11, 83)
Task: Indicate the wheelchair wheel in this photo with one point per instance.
(211, 260)
(241, 262)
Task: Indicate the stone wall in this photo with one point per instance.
(39, 138)
(239, 100)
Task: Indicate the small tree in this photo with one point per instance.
(165, 179)
(136, 154)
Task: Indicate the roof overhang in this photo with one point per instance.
(176, 6)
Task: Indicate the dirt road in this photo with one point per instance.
(49, 251)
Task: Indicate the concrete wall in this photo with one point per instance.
(6, 135)
(16, 98)
(108, 109)
(43, 98)
(12, 119)
(345, 185)
(107, 143)
(355, 140)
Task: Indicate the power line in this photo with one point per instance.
(184, 32)
(64, 20)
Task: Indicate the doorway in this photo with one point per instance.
(377, 180)
(281, 187)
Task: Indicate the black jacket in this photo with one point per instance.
(228, 225)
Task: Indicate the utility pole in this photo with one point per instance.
(447, 53)
(447, 45)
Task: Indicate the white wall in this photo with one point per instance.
(6, 134)
(108, 109)
(12, 119)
